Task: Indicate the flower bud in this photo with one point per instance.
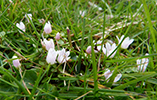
(57, 36)
(16, 62)
(88, 50)
(68, 31)
(47, 28)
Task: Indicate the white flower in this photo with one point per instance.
(98, 42)
(58, 36)
(63, 56)
(10, 1)
(117, 78)
(51, 56)
(21, 26)
(125, 44)
(48, 44)
(89, 50)
(142, 63)
(16, 62)
(99, 47)
(47, 28)
(28, 17)
(110, 41)
(82, 13)
(108, 74)
(103, 49)
(109, 49)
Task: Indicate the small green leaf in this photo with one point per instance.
(145, 76)
(152, 80)
(60, 42)
(30, 78)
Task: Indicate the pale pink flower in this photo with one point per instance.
(10, 1)
(109, 49)
(125, 44)
(63, 56)
(47, 28)
(21, 26)
(16, 62)
(57, 36)
(51, 56)
(89, 50)
(48, 44)
(28, 17)
(142, 63)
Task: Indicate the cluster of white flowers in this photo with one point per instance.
(61, 55)
(108, 49)
(110, 46)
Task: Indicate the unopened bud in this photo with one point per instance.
(16, 62)
(58, 36)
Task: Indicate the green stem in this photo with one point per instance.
(94, 66)
(36, 84)
(149, 23)
(82, 44)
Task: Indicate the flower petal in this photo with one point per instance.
(117, 78)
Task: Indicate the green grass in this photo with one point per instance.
(83, 72)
